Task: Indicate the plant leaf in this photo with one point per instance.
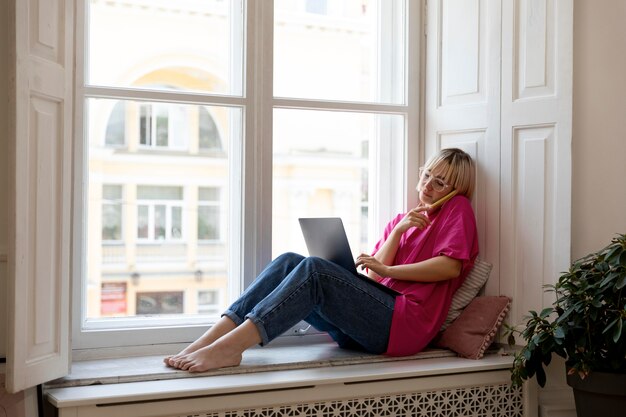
(567, 313)
(611, 324)
(541, 376)
(511, 339)
(613, 253)
(546, 312)
(610, 277)
(617, 333)
(621, 283)
(559, 333)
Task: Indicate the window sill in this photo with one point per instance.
(276, 357)
(115, 381)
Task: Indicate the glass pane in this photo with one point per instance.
(159, 221)
(111, 221)
(158, 44)
(177, 223)
(116, 128)
(161, 126)
(143, 222)
(160, 303)
(207, 297)
(208, 302)
(208, 132)
(149, 192)
(113, 299)
(325, 165)
(111, 192)
(175, 244)
(351, 50)
(145, 125)
(209, 194)
(208, 223)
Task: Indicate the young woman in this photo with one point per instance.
(424, 255)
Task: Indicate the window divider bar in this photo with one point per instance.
(163, 96)
(306, 104)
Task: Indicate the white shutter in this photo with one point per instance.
(39, 262)
(537, 42)
(499, 85)
(462, 107)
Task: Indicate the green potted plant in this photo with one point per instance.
(586, 325)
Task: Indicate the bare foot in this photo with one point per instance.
(210, 357)
(219, 329)
(225, 351)
(171, 360)
(198, 344)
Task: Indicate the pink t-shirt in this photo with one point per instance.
(422, 308)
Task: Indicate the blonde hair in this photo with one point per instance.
(457, 169)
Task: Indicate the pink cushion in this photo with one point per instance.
(474, 330)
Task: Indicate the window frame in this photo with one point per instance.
(250, 196)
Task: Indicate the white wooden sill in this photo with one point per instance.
(263, 369)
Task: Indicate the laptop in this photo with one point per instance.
(326, 238)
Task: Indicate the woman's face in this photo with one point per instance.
(433, 184)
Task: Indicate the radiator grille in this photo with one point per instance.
(476, 401)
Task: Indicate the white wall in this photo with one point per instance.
(599, 128)
(598, 150)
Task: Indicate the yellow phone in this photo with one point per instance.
(443, 199)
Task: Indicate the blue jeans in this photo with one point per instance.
(356, 314)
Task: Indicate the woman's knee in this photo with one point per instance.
(289, 258)
(314, 262)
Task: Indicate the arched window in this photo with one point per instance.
(116, 126)
(208, 134)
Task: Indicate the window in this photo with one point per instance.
(209, 302)
(209, 213)
(159, 303)
(214, 167)
(163, 126)
(116, 126)
(159, 213)
(316, 6)
(208, 134)
(111, 212)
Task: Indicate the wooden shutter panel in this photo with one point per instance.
(499, 85)
(39, 260)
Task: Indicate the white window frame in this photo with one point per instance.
(251, 189)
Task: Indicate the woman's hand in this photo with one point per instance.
(414, 218)
(372, 264)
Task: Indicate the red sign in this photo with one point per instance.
(113, 298)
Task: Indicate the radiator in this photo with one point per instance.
(481, 401)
